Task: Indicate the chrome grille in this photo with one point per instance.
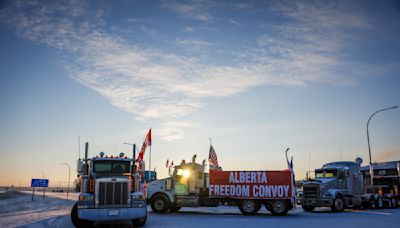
(311, 191)
(113, 194)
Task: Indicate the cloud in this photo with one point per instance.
(196, 10)
(235, 22)
(165, 85)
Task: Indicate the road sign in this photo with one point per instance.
(40, 183)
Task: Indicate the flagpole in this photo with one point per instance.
(150, 158)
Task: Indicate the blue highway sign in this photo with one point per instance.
(40, 183)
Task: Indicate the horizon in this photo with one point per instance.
(255, 77)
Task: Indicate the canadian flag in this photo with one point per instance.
(146, 143)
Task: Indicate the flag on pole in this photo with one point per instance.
(169, 168)
(212, 157)
(146, 143)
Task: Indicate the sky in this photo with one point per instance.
(254, 76)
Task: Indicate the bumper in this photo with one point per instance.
(105, 214)
(321, 202)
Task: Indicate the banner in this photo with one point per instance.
(250, 184)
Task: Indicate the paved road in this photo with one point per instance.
(19, 210)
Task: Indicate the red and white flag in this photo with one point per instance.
(212, 157)
(146, 143)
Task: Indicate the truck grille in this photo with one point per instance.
(311, 191)
(113, 194)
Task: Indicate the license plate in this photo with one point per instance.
(113, 212)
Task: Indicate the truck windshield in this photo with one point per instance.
(111, 167)
(325, 174)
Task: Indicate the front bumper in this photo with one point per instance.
(104, 214)
(320, 202)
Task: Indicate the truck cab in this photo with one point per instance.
(110, 190)
(186, 187)
(336, 185)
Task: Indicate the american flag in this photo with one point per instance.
(212, 157)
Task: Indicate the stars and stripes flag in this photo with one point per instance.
(146, 143)
(212, 157)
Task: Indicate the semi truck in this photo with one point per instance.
(190, 186)
(109, 190)
(340, 185)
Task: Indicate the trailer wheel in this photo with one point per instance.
(338, 204)
(279, 207)
(308, 208)
(159, 203)
(249, 207)
(139, 222)
(77, 221)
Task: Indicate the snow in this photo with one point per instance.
(18, 210)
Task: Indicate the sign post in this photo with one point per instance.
(44, 183)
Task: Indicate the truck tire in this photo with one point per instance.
(77, 221)
(159, 203)
(338, 204)
(279, 207)
(308, 208)
(249, 207)
(139, 222)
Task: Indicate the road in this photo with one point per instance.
(18, 210)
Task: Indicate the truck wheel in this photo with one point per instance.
(159, 203)
(79, 222)
(139, 222)
(338, 204)
(308, 208)
(249, 207)
(279, 207)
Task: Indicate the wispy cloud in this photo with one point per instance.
(196, 10)
(163, 85)
(235, 22)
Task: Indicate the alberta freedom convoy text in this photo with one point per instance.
(249, 184)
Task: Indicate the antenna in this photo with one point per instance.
(79, 146)
(309, 162)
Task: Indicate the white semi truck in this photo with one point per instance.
(340, 185)
(190, 186)
(110, 190)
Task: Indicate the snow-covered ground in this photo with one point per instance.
(18, 210)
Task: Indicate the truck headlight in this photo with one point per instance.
(86, 196)
(186, 173)
(137, 196)
(327, 195)
(300, 195)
